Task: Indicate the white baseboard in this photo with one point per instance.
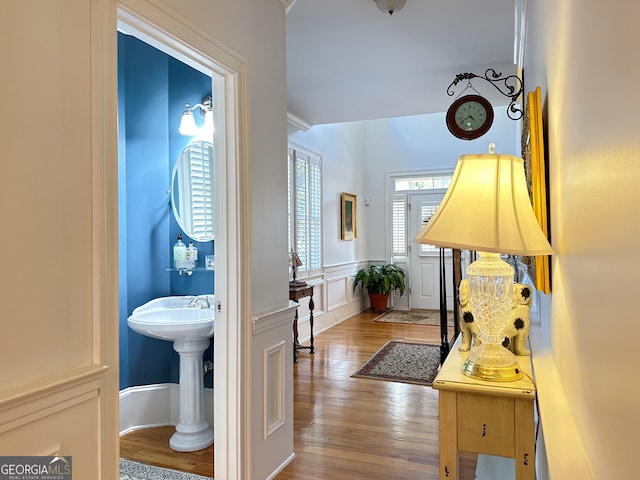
(282, 467)
(156, 405)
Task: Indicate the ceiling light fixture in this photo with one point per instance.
(390, 6)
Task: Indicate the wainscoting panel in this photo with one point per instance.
(337, 292)
(271, 382)
(339, 302)
(57, 417)
(271, 390)
(274, 388)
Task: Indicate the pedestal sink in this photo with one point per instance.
(189, 323)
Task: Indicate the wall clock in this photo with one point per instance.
(469, 117)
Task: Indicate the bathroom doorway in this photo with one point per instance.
(224, 71)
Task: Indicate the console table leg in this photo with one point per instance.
(448, 436)
(311, 307)
(295, 337)
(525, 440)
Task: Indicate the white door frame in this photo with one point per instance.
(389, 193)
(197, 49)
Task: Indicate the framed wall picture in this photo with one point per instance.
(533, 153)
(349, 211)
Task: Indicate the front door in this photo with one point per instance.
(425, 259)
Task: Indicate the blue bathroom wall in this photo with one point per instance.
(186, 85)
(152, 89)
(123, 330)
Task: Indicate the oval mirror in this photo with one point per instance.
(192, 191)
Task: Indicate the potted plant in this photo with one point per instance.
(380, 281)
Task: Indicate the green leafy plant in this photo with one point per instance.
(380, 279)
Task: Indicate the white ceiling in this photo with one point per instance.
(348, 61)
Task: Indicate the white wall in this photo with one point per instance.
(59, 169)
(342, 149)
(357, 156)
(418, 143)
(256, 30)
(585, 51)
(56, 299)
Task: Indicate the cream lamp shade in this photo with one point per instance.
(487, 209)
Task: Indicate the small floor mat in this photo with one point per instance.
(415, 317)
(130, 470)
(403, 362)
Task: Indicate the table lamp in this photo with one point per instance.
(294, 263)
(487, 209)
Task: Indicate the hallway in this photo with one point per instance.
(347, 428)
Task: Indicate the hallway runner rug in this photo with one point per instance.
(415, 317)
(403, 362)
(130, 470)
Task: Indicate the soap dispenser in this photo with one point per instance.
(192, 256)
(179, 254)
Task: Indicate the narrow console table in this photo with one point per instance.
(493, 418)
(295, 294)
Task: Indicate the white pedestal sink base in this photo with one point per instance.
(192, 432)
(191, 441)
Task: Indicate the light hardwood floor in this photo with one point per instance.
(344, 428)
(151, 446)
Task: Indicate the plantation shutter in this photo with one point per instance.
(305, 209)
(426, 212)
(399, 224)
(315, 216)
(400, 246)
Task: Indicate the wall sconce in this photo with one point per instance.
(188, 122)
(487, 209)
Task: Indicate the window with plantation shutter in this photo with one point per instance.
(398, 224)
(414, 185)
(305, 209)
(426, 212)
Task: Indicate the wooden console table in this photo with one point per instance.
(295, 294)
(494, 418)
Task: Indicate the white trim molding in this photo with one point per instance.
(295, 123)
(263, 322)
(63, 409)
(148, 406)
(288, 4)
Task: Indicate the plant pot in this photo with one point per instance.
(379, 301)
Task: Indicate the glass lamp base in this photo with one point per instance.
(492, 363)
